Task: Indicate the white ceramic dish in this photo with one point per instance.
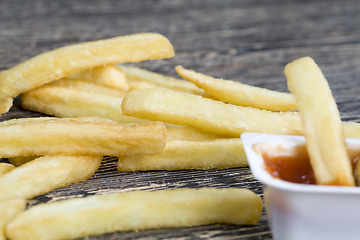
(299, 211)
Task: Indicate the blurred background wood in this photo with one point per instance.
(247, 40)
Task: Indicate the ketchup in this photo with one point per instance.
(294, 166)
(296, 169)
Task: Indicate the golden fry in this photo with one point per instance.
(180, 155)
(354, 155)
(140, 78)
(78, 136)
(137, 85)
(357, 174)
(5, 105)
(184, 133)
(206, 114)
(240, 94)
(66, 102)
(61, 62)
(136, 210)
(351, 129)
(111, 76)
(87, 87)
(213, 116)
(8, 210)
(46, 173)
(323, 129)
(6, 167)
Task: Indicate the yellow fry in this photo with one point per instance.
(6, 167)
(5, 105)
(323, 129)
(61, 62)
(135, 211)
(240, 94)
(137, 85)
(354, 155)
(206, 114)
(357, 174)
(20, 160)
(46, 173)
(140, 78)
(8, 210)
(66, 102)
(180, 155)
(351, 129)
(185, 133)
(213, 116)
(78, 136)
(111, 76)
(87, 86)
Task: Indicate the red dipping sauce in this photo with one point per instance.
(292, 164)
(296, 169)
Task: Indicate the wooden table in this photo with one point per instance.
(248, 41)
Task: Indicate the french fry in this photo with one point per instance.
(206, 114)
(240, 94)
(46, 173)
(357, 173)
(6, 167)
(351, 129)
(323, 129)
(8, 210)
(180, 155)
(137, 85)
(111, 76)
(5, 105)
(213, 116)
(354, 155)
(20, 160)
(140, 78)
(87, 86)
(67, 102)
(185, 133)
(61, 62)
(79, 136)
(136, 210)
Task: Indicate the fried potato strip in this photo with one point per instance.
(46, 173)
(354, 155)
(180, 155)
(5, 105)
(323, 129)
(240, 94)
(79, 136)
(70, 102)
(6, 167)
(87, 87)
(206, 114)
(8, 210)
(136, 211)
(140, 78)
(351, 129)
(185, 133)
(111, 76)
(53, 65)
(213, 116)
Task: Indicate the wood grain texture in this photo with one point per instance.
(248, 41)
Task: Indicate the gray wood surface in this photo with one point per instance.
(247, 40)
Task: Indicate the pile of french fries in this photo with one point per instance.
(83, 89)
(150, 122)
